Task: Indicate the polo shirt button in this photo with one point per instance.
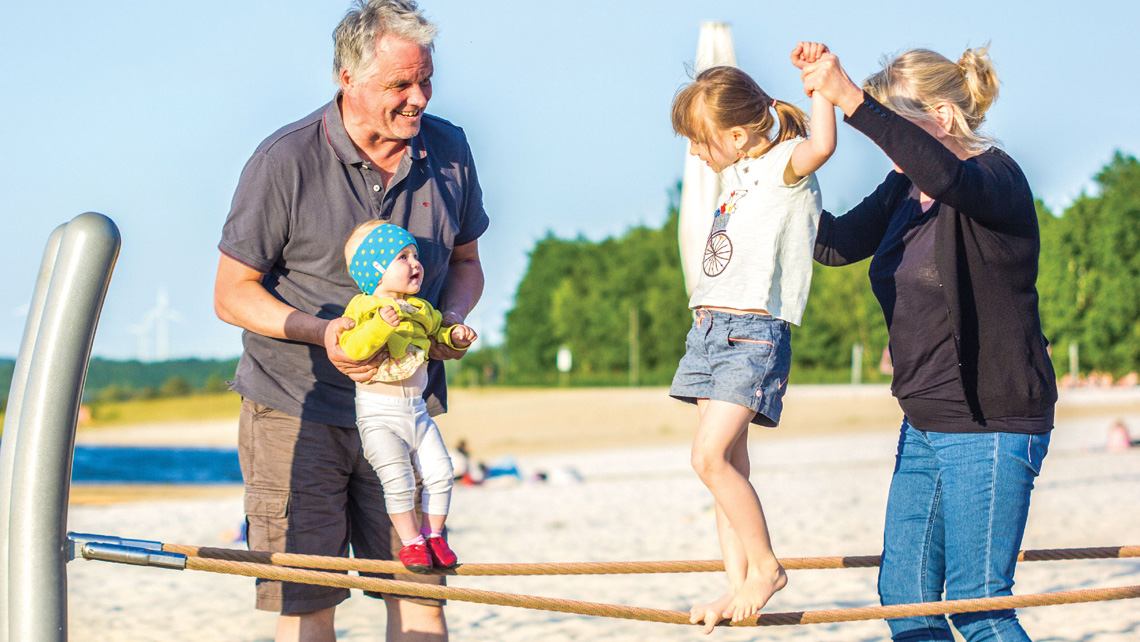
(375, 188)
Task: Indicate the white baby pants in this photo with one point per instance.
(399, 439)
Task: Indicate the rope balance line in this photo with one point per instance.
(601, 568)
(415, 589)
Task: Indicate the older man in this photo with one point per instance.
(372, 153)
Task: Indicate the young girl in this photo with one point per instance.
(396, 431)
(754, 283)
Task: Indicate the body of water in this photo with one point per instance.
(139, 465)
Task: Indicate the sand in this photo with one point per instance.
(822, 477)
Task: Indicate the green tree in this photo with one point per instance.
(580, 294)
(215, 383)
(841, 312)
(174, 387)
(1090, 273)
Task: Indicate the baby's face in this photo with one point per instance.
(404, 274)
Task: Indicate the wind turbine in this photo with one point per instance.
(700, 186)
(158, 318)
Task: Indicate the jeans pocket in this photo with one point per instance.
(1038, 448)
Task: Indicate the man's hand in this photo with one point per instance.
(358, 371)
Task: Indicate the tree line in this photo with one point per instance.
(620, 308)
(109, 381)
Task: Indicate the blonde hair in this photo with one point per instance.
(918, 80)
(726, 97)
(356, 238)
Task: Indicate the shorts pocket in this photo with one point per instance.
(271, 504)
(267, 520)
(752, 335)
(745, 340)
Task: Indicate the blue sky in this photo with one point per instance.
(147, 111)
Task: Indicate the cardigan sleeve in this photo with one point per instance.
(432, 321)
(988, 187)
(856, 235)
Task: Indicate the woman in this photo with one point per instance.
(954, 239)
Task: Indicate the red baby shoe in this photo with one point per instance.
(441, 554)
(416, 558)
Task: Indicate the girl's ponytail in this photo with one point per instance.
(793, 121)
(726, 97)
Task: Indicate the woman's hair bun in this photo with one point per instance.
(981, 79)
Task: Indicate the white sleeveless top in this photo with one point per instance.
(759, 252)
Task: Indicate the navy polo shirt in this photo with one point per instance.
(299, 197)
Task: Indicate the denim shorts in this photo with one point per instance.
(740, 358)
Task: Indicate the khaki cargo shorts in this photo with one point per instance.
(309, 490)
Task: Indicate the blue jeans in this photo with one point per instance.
(955, 519)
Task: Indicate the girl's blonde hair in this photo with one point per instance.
(916, 81)
(726, 97)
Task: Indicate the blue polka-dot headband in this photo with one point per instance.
(376, 251)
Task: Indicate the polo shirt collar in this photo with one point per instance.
(337, 137)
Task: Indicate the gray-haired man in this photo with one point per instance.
(371, 153)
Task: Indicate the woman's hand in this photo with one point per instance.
(828, 78)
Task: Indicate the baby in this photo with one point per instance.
(395, 429)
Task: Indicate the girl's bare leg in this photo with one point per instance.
(735, 564)
(714, 451)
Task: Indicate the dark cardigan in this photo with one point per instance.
(986, 247)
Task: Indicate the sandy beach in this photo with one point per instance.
(822, 476)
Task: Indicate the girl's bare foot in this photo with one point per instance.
(712, 612)
(759, 586)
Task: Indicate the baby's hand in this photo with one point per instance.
(463, 336)
(388, 313)
(806, 53)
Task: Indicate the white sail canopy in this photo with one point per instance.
(700, 186)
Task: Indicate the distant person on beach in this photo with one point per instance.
(953, 240)
(370, 154)
(1119, 439)
(399, 437)
(754, 284)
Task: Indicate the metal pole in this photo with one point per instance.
(634, 348)
(856, 364)
(1074, 362)
(15, 404)
(41, 480)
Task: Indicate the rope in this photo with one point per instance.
(577, 607)
(600, 568)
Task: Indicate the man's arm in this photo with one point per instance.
(240, 299)
(460, 293)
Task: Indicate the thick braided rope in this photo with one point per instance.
(601, 568)
(646, 614)
(417, 589)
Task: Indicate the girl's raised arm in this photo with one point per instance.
(812, 153)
